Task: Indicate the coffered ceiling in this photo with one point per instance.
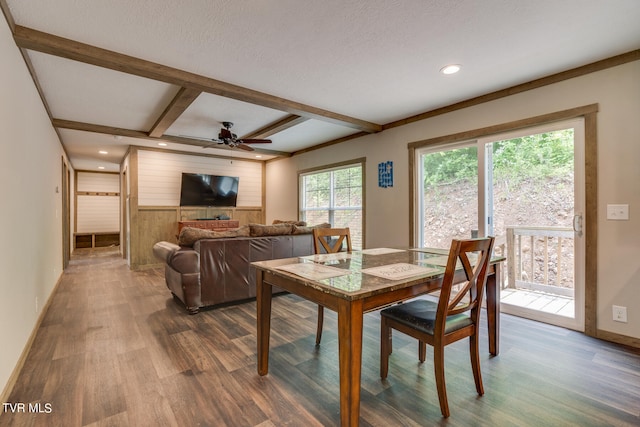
(300, 73)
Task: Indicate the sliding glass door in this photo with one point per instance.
(526, 188)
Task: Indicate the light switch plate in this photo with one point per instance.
(618, 212)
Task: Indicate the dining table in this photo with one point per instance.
(352, 284)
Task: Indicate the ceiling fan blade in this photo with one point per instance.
(196, 137)
(244, 147)
(255, 141)
(213, 144)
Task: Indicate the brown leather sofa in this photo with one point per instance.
(218, 271)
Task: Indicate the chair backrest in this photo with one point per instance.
(331, 239)
(472, 257)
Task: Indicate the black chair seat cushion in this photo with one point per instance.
(421, 314)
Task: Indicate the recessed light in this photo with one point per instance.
(258, 156)
(162, 144)
(100, 167)
(451, 69)
(103, 152)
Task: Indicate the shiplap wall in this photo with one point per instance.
(98, 213)
(160, 176)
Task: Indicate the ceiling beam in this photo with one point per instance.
(7, 14)
(330, 143)
(28, 38)
(110, 130)
(276, 127)
(176, 107)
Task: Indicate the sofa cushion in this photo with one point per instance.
(190, 235)
(308, 230)
(260, 230)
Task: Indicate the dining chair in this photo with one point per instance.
(329, 240)
(452, 317)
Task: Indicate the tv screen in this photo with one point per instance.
(208, 190)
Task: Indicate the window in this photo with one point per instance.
(334, 194)
(448, 198)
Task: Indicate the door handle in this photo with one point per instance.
(577, 224)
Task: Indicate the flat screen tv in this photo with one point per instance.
(208, 190)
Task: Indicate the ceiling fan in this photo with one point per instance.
(230, 139)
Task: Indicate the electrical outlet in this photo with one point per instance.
(618, 212)
(620, 314)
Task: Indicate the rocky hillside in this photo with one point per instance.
(452, 213)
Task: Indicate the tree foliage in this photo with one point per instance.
(541, 155)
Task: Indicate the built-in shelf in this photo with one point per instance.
(96, 240)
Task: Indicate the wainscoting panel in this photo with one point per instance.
(155, 224)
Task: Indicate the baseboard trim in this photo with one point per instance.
(13, 378)
(618, 338)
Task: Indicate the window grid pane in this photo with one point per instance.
(335, 197)
(317, 190)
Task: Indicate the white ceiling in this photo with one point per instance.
(377, 61)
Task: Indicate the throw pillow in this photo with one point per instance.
(293, 221)
(259, 230)
(309, 230)
(190, 235)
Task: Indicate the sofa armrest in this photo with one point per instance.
(163, 250)
(185, 261)
(182, 260)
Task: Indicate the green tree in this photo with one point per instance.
(451, 166)
(534, 156)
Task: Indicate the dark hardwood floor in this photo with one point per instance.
(115, 349)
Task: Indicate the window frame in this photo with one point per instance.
(360, 162)
(589, 114)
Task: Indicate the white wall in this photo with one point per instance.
(160, 175)
(98, 213)
(616, 90)
(30, 171)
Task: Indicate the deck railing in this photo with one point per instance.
(540, 259)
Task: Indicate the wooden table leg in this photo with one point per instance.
(263, 304)
(493, 309)
(350, 319)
